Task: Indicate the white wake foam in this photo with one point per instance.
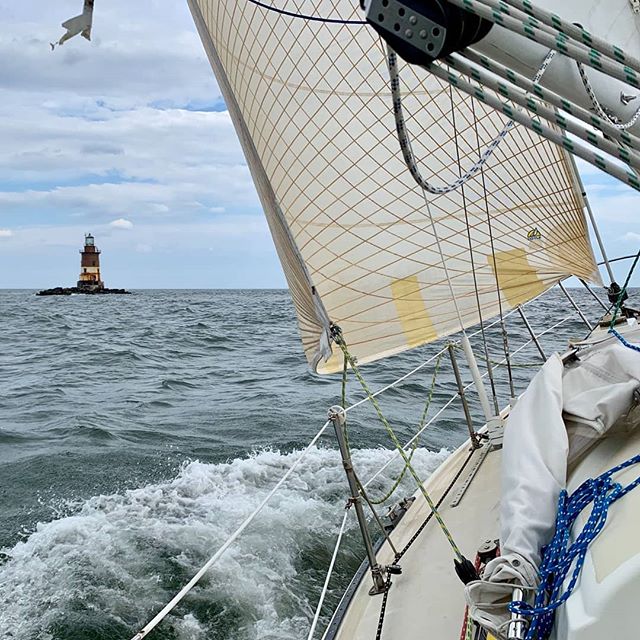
(116, 560)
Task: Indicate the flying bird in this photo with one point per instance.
(79, 25)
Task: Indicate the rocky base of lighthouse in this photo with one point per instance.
(67, 291)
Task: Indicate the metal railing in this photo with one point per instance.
(461, 393)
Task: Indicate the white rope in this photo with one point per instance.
(405, 141)
(325, 588)
(236, 534)
(598, 107)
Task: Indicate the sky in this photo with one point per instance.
(127, 137)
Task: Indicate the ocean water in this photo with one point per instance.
(137, 432)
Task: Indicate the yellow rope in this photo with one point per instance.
(414, 444)
(339, 340)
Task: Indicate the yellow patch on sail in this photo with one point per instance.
(518, 280)
(412, 312)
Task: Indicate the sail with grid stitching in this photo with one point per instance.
(312, 107)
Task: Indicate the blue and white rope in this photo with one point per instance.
(559, 555)
(624, 342)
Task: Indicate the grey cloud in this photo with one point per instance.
(102, 149)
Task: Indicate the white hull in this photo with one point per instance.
(427, 600)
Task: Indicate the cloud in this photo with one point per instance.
(127, 132)
(631, 236)
(121, 223)
(6, 233)
(134, 117)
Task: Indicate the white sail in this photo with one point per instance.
(311, 104)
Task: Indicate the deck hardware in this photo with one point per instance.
(338, 417)
(398, 510)
(465, 406)
(482, 454)
(518, 625)
(488, 550)
(495, 430)
(466, 570)
(577, 178)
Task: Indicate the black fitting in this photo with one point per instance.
(613, 293)
(466, 570)
(421, 31)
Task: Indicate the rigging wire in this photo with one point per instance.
(340, 341)
(302, 16)
(175, 601)
(618, 307)
(385, 533)
(410, 161)
(325, 587)
(415, 536)
(505, 336)
(370, 397)
(473, 266)
(414, 443)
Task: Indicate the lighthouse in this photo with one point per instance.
(89, 280)
(90, 266)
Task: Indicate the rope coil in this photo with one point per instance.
(405, 141)
(559, 556)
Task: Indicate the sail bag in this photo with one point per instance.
(566, 409)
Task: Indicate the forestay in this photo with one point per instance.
(311, 103)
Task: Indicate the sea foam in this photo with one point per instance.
(104, 570)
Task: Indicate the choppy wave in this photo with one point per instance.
(106, 402)
(101, 571)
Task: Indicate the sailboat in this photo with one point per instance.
(415, 162)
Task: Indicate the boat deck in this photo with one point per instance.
(427, 599)
(428, 595)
